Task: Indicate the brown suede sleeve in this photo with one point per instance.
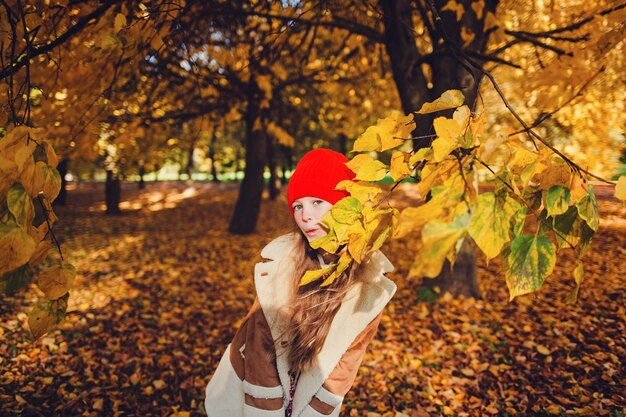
(341, 378)
(253, 359)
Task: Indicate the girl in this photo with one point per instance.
(298, 350)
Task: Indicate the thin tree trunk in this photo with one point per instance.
(248, 204)
(112, 193)
(273, 185)
(190, 165)
(142, 172)
(212, 157)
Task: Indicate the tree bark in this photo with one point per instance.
(248, 204)
(112, 193)
(415, 89)
(273, 186)
(190, 165)
(212, 157)
(142, 172)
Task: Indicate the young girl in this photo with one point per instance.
(298, 350)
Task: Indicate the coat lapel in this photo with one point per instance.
(272, 287)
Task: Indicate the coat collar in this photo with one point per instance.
(363, 302)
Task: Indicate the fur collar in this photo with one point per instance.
(363, 302)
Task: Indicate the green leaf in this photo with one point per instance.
(15, 280)
(44, 316)
(438, 239)
(588, 209)
(20, 204)
(448, 100)
(491, 222)
(557, 200)
(347, 210)
(518, 221)
(531, 260)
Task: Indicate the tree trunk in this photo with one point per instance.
(415, 88)
(142, 172)
(343, 143)
(248, 203)
(212, 157)
(112, 193)
(62, 197)
(190, 165)
(273, 185)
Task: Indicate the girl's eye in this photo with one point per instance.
(317, 202)
(297, 207)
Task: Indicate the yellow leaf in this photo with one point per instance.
(16, 247)
(400, 168)
(344, 262)
(455, 7)
(448, 131)
(387, 133)
(620, 188)
(367, 168)
(521, 159)
(120, 22)
(555, 175)
(543, 350)
(356, 245)
(360, 190)
(420, 155)
(56, 281)
(448, 100)
(44, 316)
(40, 253)
(461, 116)
(159, 384)
(478, 7)
(312, 276)
(51, 156)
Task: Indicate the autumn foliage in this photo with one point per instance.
(159, 294)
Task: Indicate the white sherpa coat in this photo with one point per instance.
(252, 378)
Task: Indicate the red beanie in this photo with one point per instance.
(317, 174)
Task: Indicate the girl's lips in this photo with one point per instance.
(310, 231)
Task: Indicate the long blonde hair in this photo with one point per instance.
(312, 308)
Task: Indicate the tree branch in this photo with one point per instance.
(24, 58)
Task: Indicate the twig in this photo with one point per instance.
(40, 198)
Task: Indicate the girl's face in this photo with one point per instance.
(308, 213)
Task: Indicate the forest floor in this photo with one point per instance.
(161, 289)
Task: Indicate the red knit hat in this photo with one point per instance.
(317, 174)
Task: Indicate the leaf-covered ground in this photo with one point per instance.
(160, 292)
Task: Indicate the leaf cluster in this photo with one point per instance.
(539, 202)
(28, 173)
